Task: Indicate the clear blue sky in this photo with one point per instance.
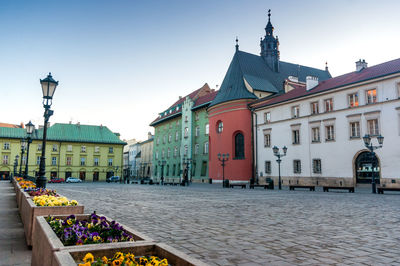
(120, 63)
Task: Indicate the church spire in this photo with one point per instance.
(237, 44)
(270, 46)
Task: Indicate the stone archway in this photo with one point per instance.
(365, 167)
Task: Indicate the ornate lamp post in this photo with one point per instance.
(29, 130)
(371, 148)
(23, 145)
(162, 163)
(16, 164)
(223, 158)
(279, 155)
(187, 162)
(49, 86)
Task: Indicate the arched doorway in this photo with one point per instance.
(366, 167)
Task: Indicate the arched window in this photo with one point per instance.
(220, 126)
(239, 146)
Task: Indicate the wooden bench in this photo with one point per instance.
(381, 189)
(253, 186)
(237, 185)
(326, 188)
(292, 187)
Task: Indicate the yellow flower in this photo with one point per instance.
(164, 262)
(104, 260)
(88, 258)
(74, 202)
(69, 222)
(85, 264)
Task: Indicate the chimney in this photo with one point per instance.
(149, 136)
(361, 64)
(180, 97)
(70, 122)
(311, 82)
(22, 125)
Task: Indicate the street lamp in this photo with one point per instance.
(279, 155)
(161, 164)
(29, 130)
(371, 148)
(16, 164)
(23, 145)
(49, 86)
(187, 162)
(223, 158)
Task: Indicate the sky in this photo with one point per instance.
(120, 63)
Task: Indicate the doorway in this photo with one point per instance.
(82, 176)
(367, 166)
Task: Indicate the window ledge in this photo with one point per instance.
(239, 158)
(355, 138)
(315, 141)
(329, 140)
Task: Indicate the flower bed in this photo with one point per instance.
(73, 256)
(46, 241)
(29, 210)
(50, 201)
(40, 192)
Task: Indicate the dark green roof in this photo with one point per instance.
(67, 133)
(255, 71)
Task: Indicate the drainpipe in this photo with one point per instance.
(254, 148)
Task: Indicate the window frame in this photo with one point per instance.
(328, 105)
(267, 167)
(313, 130)
(358, 129)
(373, 97)
(353, 100)
(297, 166)
(295, 136)
(317, 166)
(329, 132)
(314, 108)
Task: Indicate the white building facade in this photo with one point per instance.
(322, 125)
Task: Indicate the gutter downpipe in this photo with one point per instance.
(254, 135)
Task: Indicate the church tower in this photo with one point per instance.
(270, 46)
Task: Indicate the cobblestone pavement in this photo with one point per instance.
(255, 227)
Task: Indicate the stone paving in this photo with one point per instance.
(255, 227)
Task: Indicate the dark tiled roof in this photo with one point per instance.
(173, 111)
(204, 100)
(365, 74)
(68, 133)
(260, 77)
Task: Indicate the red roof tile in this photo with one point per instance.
(368, 73)
(205, 99)
(11, 125)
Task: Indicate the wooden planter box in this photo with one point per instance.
(29, 211)
(174, 257)
(46, 242)
(18, 192)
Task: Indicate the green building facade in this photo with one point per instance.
(181, 138)
(90, 153)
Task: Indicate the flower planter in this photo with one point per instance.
(174, 257)
(18, 194)
(46, 242)
(29, 211)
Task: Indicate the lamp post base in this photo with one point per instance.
(41, 182)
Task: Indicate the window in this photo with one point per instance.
(328, 103)
(197, 116)
(168, 153)
(196, 149)
(204, 168)
(96, 149)
(186, 133)
(398, 90)
(173, 169)
(295, 111)
(39, 147)
(55, 147)
(206, 148)
(6, 146)
(197, 131)
(110, 150)
(110, 161)
(96, 161)
(162, 154)
(296, 136)
(83, 148)
(5, 159)
(267, 167)
(169, 138)
(69, 160)
(175, 151)
(267, 140)
(176, 136)
(177, 122)
(371, 96)
(69, 147)
(314, 108)
(38, 160)
(185, 151)
(373, 127)
(315, 134)
(353, 100)
(158, 140)
(330, 133)
(83, 161)
(186, 118)
(53, 160)
(207, 129)
(165, 139)
(355, 130)
(239, 146)
(296, 166)
(316, 166)
(156, 155)
(267, 117)
(220, 127)
(167, 172)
